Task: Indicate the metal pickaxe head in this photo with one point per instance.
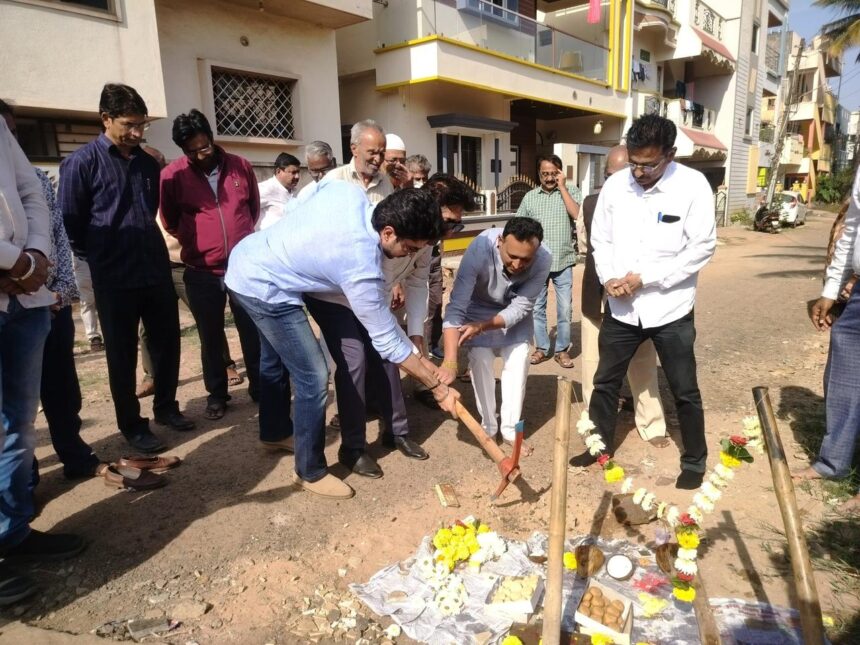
(510, 466)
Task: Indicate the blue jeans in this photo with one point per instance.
(842, 393)
(286, 330)
(22, 341)
(275, 394)
(563, 283)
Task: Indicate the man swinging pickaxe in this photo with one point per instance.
(498, 281)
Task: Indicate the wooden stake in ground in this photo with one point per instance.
(558, 506)
(807, 593)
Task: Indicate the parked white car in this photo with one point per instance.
(792, 212)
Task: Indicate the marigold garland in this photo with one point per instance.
(734, 452)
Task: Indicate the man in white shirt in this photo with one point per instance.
(842, 374)
(653, 231)
(278, 189)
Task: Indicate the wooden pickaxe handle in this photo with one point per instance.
(489, 446)
(505, 464)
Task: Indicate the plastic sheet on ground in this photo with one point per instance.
(756, 623)
(420, 621)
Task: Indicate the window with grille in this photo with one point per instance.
(250, 105)
(97, 8)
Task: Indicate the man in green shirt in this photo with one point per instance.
(555, 204)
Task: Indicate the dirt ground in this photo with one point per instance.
(235, 553)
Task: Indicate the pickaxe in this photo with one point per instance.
(508, 466)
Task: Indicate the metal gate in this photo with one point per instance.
(721, 206)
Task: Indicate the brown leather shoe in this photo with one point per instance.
(118, 476)
(153, 464)
(287, 445)
(329, 486)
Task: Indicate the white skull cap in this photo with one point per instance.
(393, 142)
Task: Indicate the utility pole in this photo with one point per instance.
(791, 100)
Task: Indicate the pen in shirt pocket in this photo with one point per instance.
(659, 217)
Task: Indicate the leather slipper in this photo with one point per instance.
(215, 411)
(564, 359)
(118, 476)
(233, 377)
(538, 357)
(153, 464)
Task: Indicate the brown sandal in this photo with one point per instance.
(538, 357)
(233, 377)
(564, 359)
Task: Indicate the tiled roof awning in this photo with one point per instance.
(715, 50)
(705, 145)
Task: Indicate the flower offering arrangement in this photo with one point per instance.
(734, 452)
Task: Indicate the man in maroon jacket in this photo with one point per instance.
(210, 202)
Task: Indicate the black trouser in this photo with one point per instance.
(207, 298)
(120, 313)
(674, 343)
(178, 272)
(357, 365)
(61, 397)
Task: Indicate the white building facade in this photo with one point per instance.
(263, 72)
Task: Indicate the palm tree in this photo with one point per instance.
(844, 32)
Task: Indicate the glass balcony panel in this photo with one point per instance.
(484, 24)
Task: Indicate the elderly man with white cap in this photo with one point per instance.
(395, 161)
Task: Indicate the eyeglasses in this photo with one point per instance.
(450, 226)
(318, 173)
(130, 127)
(200, 151)
(548, 175)
(647, 169)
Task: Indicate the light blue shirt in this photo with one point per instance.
(484, 290)
(324, 245)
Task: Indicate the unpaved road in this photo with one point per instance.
(230, 537)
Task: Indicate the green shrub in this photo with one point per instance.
(833, 188)
(742, 217)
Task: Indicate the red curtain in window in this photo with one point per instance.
(593, 12)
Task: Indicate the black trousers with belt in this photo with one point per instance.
(207, 299)
(674, 342)
(120, 314)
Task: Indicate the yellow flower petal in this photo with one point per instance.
(728, 461)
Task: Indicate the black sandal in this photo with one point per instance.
(215, 411)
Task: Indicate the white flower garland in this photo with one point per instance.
(704, 500)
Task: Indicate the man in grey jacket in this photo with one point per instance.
(499, 279)
(25, 244)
